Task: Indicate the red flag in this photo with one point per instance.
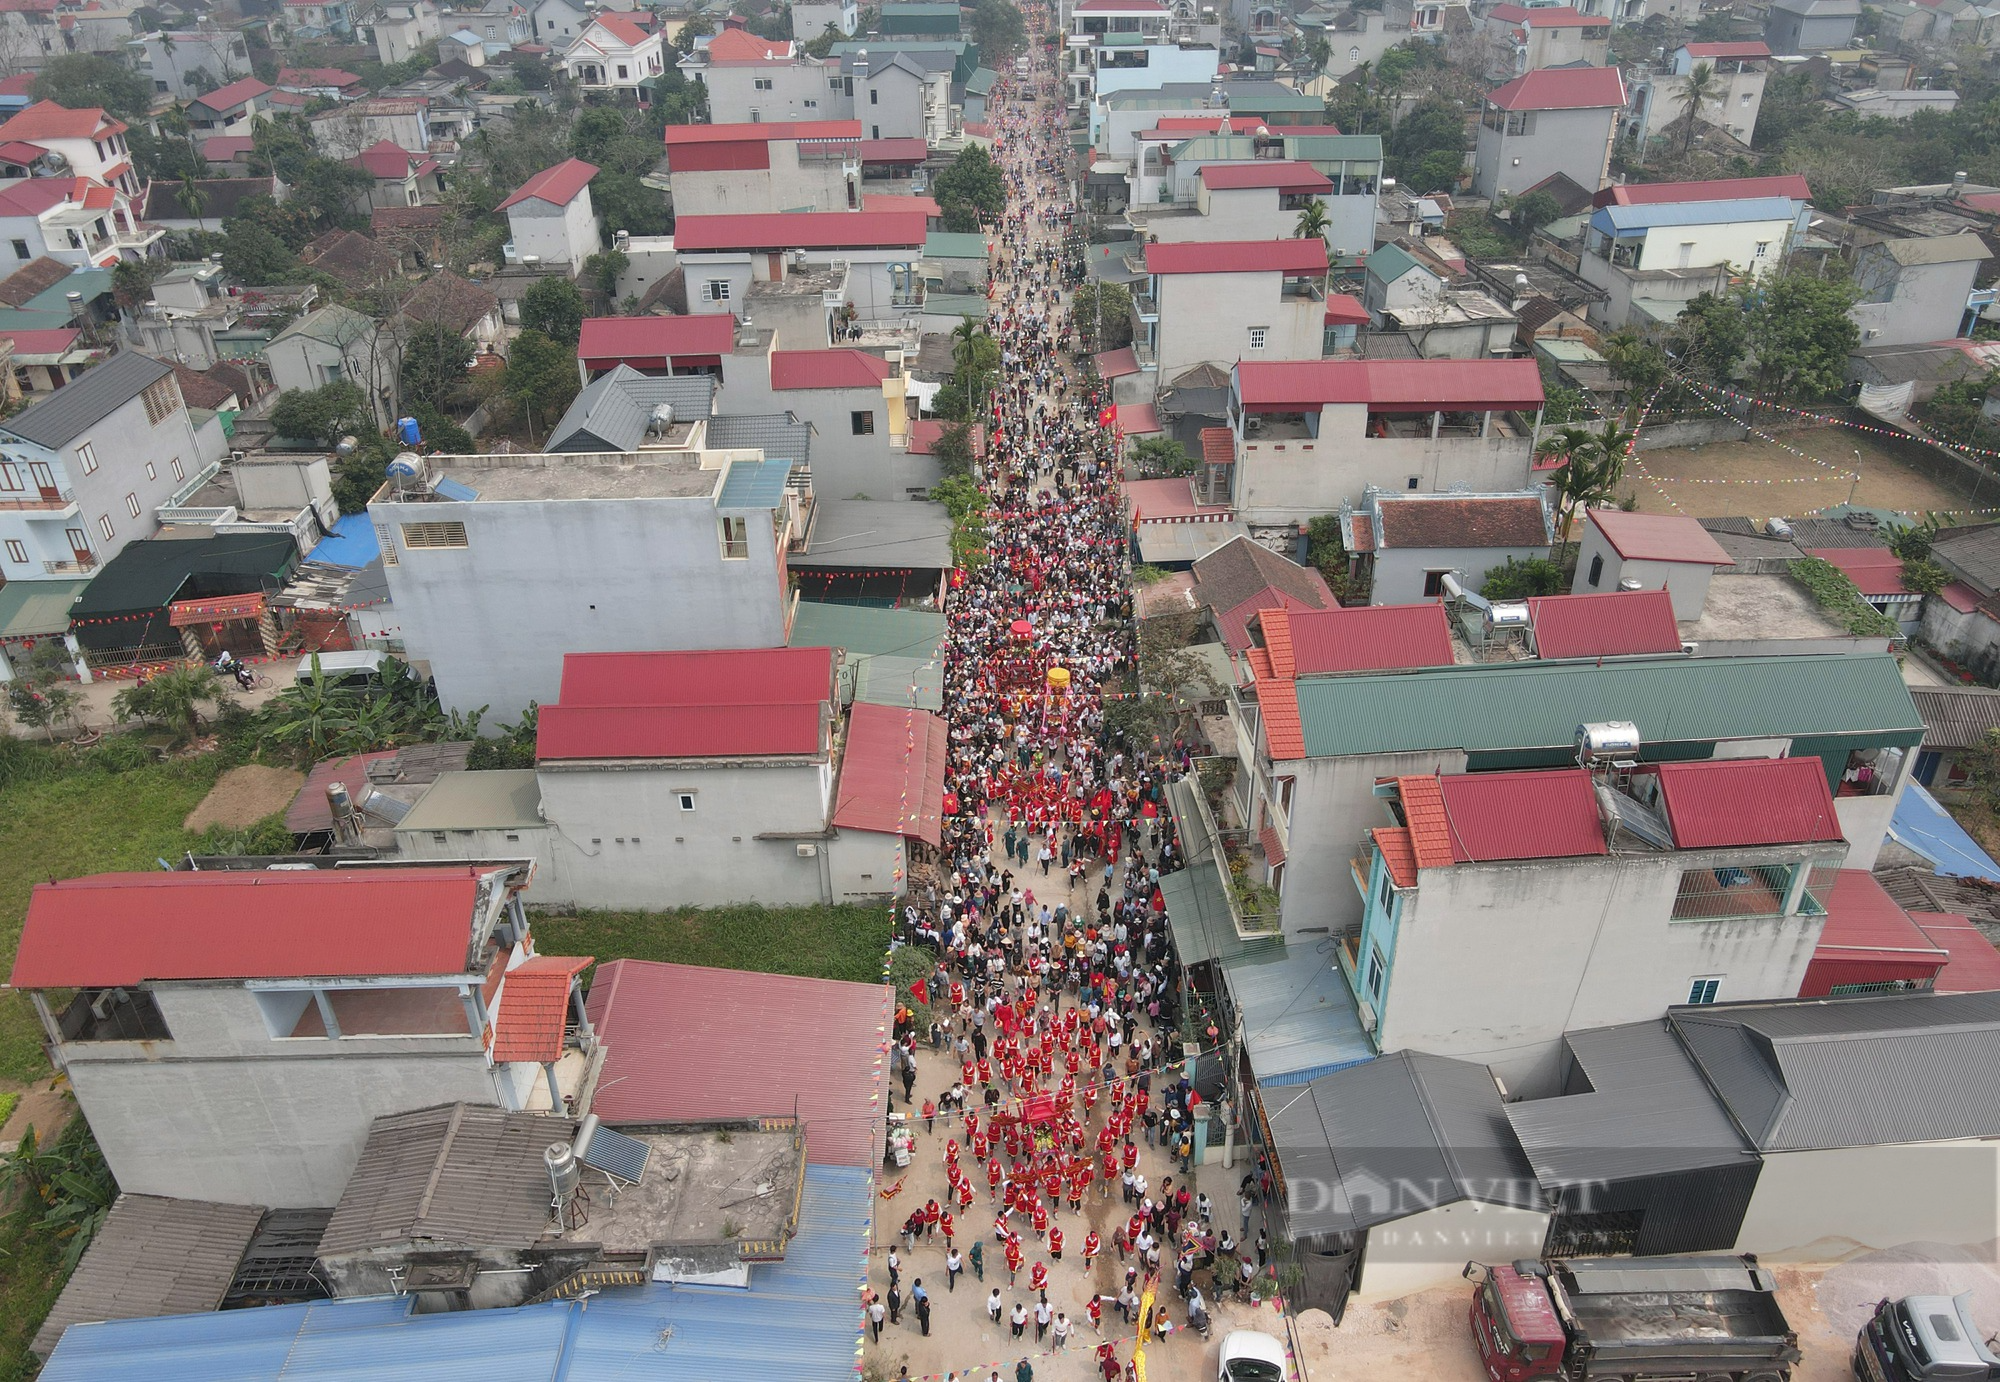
(921, 991)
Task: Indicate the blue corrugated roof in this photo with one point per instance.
(1926, 827)
(353, 542)
(1745, 209)
(754, 485)
(798, 1319)
(1299, 1018)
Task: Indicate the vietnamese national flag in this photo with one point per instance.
(921, 991)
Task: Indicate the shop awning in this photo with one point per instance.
(219, 609)
(37, 609)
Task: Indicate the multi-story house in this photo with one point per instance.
(227, 109)
(188, 1008)
(1916, 290)
(1260, 200)
(1524, 39)
(899, 95)
(83, 472)
(1223, 301)
(664, 547)
(1120, 45)
(758, 79)
(183, 63)
(811, 277)
(551, 217)
(345, 131)
(1311, 434)
(89, 141)
(857, 404)
(810, 20)
(614, 53)
(1792, 27)
(399, 28)
(765, 168)
(78, 221)
(333, 343)
(1655, 258)
(401, 178)
(319, 18)
(1167, 160)
(1554, 120)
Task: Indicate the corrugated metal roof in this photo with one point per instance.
(814, 230)
(1875, 571)
(611, 412)
(780, 436)
(1618, 623)
(1393, 1137)
(688, 704)
(125, 928)
(1648, 215)
(1453, 385)
(1364, 639)
(733, 676)
(1299, 1020)
(754, 485)
(892, 773)
(677, 1050)
(650, 338)
(557, 186)
(1648, 1112)
(448, 1177)
(1548, 814)
(1658, 537)
(1974, 966)
(841, 367)
(1540, 704)
(1748, 801)
(59, 418)
(1238, 257)
(1853, 1072)
(31, 609)
(153, 1256)
(1562, 88)
(857, 629)
(883, 679)
(1955, 717)
(874, 534)
(797, 1318)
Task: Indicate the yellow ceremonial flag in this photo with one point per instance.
(1145, 1333)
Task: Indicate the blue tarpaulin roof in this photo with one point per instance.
(352, 542)
(754, 485)
(798, 1319)
(1299, 1019)
(1923, 825)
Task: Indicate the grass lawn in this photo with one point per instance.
(31, 1277)
(84, 822)
(845, 942)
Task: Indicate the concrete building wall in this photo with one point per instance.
(866, 864)
(549, 886)
(1574, 142)
(1686, 582)
(567, 234)
(1211, 317)
(624, 839)
(1431, 1249)
(1622, 287)
(1295, 479)
(1909, 304)
(540, 578)
(786, 185)
(890, 104)
(1751, 247)
(1400, 575)
(796, 91)
(1243, 213)
(810, 20)
(1823, 1205)
(1164, 64)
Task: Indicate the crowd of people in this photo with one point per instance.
(1047, 1010)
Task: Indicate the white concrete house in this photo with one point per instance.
(1411, 542)
(1647, 258)
(757, 79)
(1552, 120)
(1647, 551)
(1223, 301)
(857, 405)
(765, 168)
(614, 53)
(90, 141)
(551, 217)
(336, 342)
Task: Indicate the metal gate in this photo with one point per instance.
(1613, 1233)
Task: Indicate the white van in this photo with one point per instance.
(353, 670)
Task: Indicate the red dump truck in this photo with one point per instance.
(1631, 1319)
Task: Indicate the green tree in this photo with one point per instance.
(255, 257)
(1103, 315)
(603, 270)
(1312, 222)
(540, 378)
(435, 359)
(625, 203)
(1713, 333)
(173, 698)
(554, 307)
(1801, 335)
(822, 44)
(43, 707)
(1534, 211)
(279, 147)
(80, 80)
(324, 415)
(972, 189)
(954, 450)
(327, 194)
(1638, 364)
(1427, 142)
(1162, 457)
(999, 30)
(1593, 465)
(1700, 86)
(1521, 580)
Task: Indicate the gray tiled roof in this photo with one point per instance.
(780, 436)
(457, 1175)
(611, 412)
(63, 415)
(153, 1256)
(1974, 551)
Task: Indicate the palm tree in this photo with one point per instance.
(1698, 87)
(173, 698)
(193, 198)
(1312, 222)
(1578, 480)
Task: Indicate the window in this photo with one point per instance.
(1703, 990)
(1378, 969)
(1258, 335)
(175, 466)
(152, 473)
(763, 83)
(16, 552)
(735, 539)
(1596, 569)
(686, 800)
(1354, 55)
(1734, 892)
(163, 400)
(10, 475)
(104, 526)
(622, 72)
(862, 422)
(132, 505)
(87, 455)
(716, 290)
(20, 249)
(1434, 583)
(874, 97)
(812, 105)
(419, 536)
(1763, 249)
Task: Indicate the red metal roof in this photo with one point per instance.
(1562, 88)
(115, 929)
(734, 702)
(1234, 624)
(840, 368)
(1481, 817)
(1618, 623)
(1748, 801)
(1454, 385)
(50, 340)
(1974, 966)
(925, 432)
(906, 150)
(1238, 257)
(385, 158)
(776, 131)
(806, 230)
(1729, 50)
(1868, 939)
(1875, 571)
(607, 341)
(1138, 419)
(1960, 597)
(235, 94)
(214, 610)
(1714, 190)
(533, 1008)
(1284, 733)
(882, 201)
(1369, 639)
(1659, 537)
(309, 810)
(1274, 848)
(892, 773)
(1116, 364)
(1284, 174)
(1155, 501)
(1344, 309)
(685, 1042)
(557, 186)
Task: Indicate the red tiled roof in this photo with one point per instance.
(1234, 624)
(1617, 623)
(925, 431)
(1422, 800)
(678, 1048)
(214, 609)
(1116, 364)
(839, 368)
(1138, 419)
(1729, 50)
(534, 1008)
(557, 186)
(47, 120)
(235, 94)
(385, 159)
(740, 45)
(20, 151)
(1748, 801)
(1399, 854)
(1562, 88)
(1473, 520)
(1960, 597)
(777, 131)
(1875, 571)
(892, 773)
(20, 84)
(224, 148)
(609, 340)
(1218, 446)
(1154, 501)
(119, 929)
(688, 704)
(881, 201)
(1974, 966)
(1284, 174)
(801, 230)
(1658, 537)
(1345, 309)
(1867, 938)
(1372, 638)
(1284, 734)
(1238, 257)
(316, 76)
(1480, 817)
(1714, 190)
(622, 28)
(1464, 385)
(1364, 534)
(51, 340)
(1277, 634)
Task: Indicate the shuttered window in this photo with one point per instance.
(422, 535)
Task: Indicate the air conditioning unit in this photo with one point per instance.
(808, 850)
(1366, 1010)
(236, 456)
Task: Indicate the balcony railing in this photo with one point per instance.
(61, 499)
(83, 565)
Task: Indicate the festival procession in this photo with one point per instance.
(1040, 1213)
